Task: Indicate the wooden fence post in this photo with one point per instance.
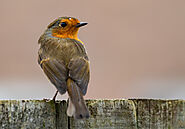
(105, 114)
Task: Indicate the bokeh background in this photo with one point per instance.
(136, 48)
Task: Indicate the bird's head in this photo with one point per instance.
(66, 27)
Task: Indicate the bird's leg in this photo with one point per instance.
(54, 97)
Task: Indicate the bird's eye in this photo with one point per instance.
(63, 24)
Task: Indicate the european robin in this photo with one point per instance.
(64, 60)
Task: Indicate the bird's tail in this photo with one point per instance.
(76, 107)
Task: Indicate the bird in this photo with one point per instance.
(64, 60)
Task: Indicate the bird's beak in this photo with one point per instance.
(81, 24)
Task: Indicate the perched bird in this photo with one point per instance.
(64, 60)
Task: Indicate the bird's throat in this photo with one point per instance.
(70, 35)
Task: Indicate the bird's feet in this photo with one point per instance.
(54, 97)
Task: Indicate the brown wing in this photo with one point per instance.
(79, 72)
(56, 72)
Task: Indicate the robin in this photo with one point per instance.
(64, 60)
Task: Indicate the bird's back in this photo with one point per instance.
(63, 49)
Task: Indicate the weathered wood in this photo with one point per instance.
(108, 114)
(32, 114)
(160, 114)
(105, 114)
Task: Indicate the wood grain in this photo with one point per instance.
(105, 114)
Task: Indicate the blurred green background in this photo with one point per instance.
(136, 48)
